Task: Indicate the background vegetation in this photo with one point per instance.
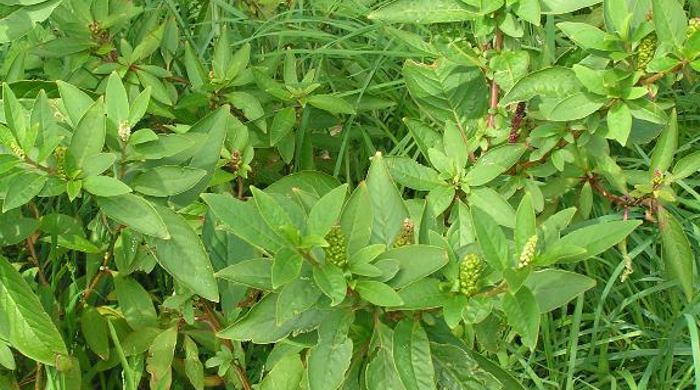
(324, 194)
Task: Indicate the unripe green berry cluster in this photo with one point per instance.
(693, 26)
(470, 269)
(645, 51)
(60, 155)
(336, 251)
(528, 252)
(17, 151)
(406, 237)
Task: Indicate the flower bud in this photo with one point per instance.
(528, 252)
(406, 236)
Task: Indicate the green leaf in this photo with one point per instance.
(665, 149)
(493, 204)
(596, 239)
(148, 44)
(558, 7)
(326, 212)
(331, 280)
(415, 262)
(455, 144)
(440, 197)
(23, 321)
(282, 124)
(619, 121)
(491, 240)
(332, 104)
(493, 163)
(457, 368)
(408, 172)
(670, 21)
(412, 356)
(510, 66)
(193, 365)
(572, 107)
(135, 212)
(135, 303)
(330, 358)
(549, 82)
(381, 372)
(286, 267)
(255, 273)
(184, 257)
(116, 101)
(528, 10)
(378, 293)
(356, 219)
(422, 295)
(447, 91)
(314, 182)
(89, 135)
(160, 358)
(243, 220)
(260, 326)
(686, 166)
(139, 106)
(554, 288)
(23, 19)
(105, 186)
(525, 223)
(388, 208)
(251, 107)
(617, 17)
(677, 254)
(271, 210)
(95, 331)
(7, 359)
(286, 374)
(295, 298)
(75, 101)
(167, 180)
(523, 315)
(424, 12)
(206, 154)
(15, 116)
(589, 37)
(21, 189)
(14, 228)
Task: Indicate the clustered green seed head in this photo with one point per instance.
(645, 51)
(469, 272)
(60, 154)
(693, 26)
(17, 151)
(406, 237)
(528, 252)
(657, 178)
(336, 251)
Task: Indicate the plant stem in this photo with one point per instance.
(494, 86)
(215, 326)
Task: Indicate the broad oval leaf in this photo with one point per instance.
(549, 82)
(135, 212)
(554, 288)
(167, 180)
(23, 321)
(424, 12)
(184, 257)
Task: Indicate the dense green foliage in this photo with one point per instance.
(355, 194)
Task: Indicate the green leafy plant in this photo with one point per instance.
(282, 195)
